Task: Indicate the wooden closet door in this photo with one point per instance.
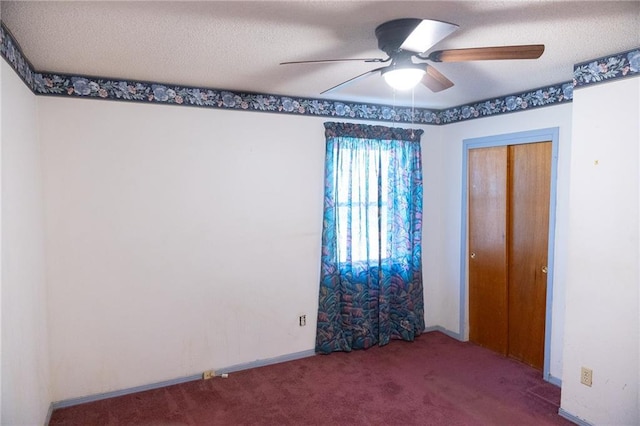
(529, 195)
(488, 306)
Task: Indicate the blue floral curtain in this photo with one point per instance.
(371, 273)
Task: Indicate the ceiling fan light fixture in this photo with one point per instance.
(408, 38)
(403, 78)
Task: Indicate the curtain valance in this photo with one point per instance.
(364, 131)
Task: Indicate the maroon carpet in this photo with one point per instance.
(435, 380)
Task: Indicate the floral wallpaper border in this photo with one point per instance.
(607, 68)
(53, 84)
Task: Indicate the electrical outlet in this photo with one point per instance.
(209, 374)
(586, 376)
(302, 320)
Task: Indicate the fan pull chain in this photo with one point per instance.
(395, 113)
(413, 103)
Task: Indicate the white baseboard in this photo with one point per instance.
(572, 418)
(269, 361)
(554, 380)
(227, 370)
(441, 329)
(49, 413)
(121, 392)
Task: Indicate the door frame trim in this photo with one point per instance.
(530, 136)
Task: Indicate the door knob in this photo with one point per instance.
(473, 255)
(544, 269)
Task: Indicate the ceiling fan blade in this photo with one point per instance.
(426, 35)
(435, 81)
(411, 34)
(320, 61)
(528, 51)
(351, 80)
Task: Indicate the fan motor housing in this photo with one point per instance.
(392, 34)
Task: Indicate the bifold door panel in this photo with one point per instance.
(509, 194)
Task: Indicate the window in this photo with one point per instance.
(362, 204)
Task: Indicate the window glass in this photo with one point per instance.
(362, 196)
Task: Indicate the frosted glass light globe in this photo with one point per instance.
(403, 78)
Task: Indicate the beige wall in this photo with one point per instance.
(25, 352)
(179, 240)
(190, 238)
(603, 255)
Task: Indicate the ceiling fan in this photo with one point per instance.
(408, 38)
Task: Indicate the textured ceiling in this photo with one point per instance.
(238, 45)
